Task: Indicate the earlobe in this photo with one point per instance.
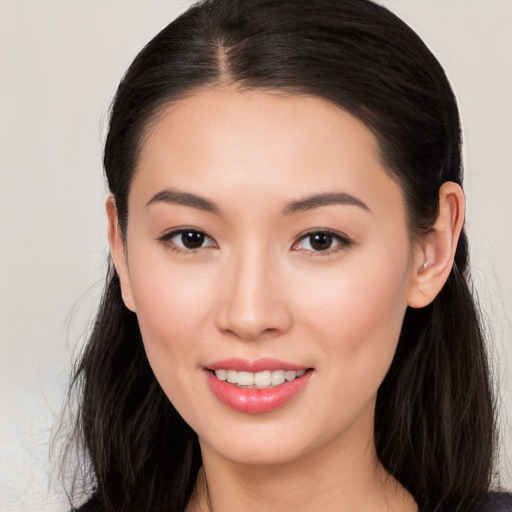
(118, 252)
(434, 255)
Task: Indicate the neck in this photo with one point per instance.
(344, 475)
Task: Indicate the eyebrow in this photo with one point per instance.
(184, 199)
(302, 205)
(327, 199)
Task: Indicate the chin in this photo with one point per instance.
(265, 441)
(258, 452)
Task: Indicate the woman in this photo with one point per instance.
(287, 323)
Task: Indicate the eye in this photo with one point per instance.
(185, 240)
(325, 242)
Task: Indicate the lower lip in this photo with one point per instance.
(256, 401)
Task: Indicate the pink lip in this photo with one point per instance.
(255, 401)
(258, 365)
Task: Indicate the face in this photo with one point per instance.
(266, 243)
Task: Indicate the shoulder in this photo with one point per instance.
(498, 502)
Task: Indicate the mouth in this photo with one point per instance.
(256, 387)
(260, 380)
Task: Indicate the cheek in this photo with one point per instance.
(356, 314)
(173, 304)
(173, 309)
(167, 303)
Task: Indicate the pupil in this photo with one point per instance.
(192, 239)
(320, 241)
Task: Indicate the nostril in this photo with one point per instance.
(243, 332)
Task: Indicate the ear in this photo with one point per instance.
(118, 252)
(434, 254)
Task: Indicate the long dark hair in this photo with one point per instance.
(434, 422)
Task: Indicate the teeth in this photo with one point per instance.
(263, 379)
(232, 376)
(245, 379)
(259, 380)
(221, 374)
(290, 375)
(278, 377)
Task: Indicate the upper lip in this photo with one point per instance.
(254, 365)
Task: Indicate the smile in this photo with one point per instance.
(260, 380)
(256, 387)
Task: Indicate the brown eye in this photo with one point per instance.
(183, 240)
(320, 241)
(192, 239)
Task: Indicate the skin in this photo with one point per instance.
(256, 288)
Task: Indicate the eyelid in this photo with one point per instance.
(166, 239)
(344, 241)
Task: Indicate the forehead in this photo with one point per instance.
(255, 143)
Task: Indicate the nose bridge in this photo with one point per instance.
(254, 301)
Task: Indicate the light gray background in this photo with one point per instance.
(60, 62)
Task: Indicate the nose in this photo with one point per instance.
(253, 301)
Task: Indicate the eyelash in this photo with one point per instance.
(167, 240)
(343, 241)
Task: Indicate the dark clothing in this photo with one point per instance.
(498, 502)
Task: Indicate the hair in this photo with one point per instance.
(434, 420)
